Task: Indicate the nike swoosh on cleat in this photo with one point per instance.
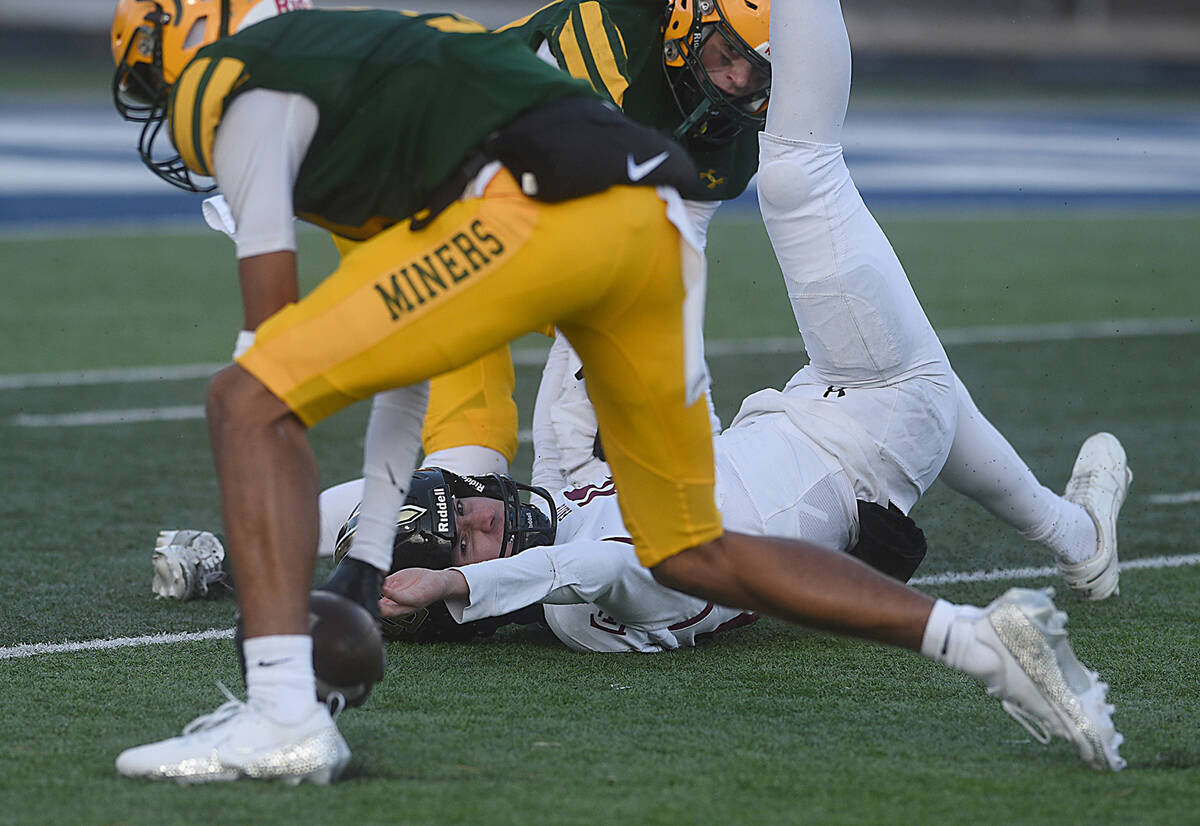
(637, 171)
(269, 663)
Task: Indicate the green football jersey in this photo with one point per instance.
(616, 45)
(403, 101)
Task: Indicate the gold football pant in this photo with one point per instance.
(605, 269)
(472, 404)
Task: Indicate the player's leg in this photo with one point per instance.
(1078, 528)
(269, 486)
(633, 346)
(471, 423)
(1016, 645)
(308, 361)
(874, 357)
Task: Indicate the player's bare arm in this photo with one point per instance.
(269, 282)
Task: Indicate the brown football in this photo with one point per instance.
(348, 653)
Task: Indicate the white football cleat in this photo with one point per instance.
(237, 741)
(1041, 683)
(187, 564)
(1099, 482)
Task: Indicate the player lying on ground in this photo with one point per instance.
(583, 578)
(567, 555)
(367, 329)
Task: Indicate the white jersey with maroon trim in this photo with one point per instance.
(596, 595)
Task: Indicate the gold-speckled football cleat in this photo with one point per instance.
(1041, 683)
(236, 741)
(1099, 482)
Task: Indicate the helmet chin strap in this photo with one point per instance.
(698, 114)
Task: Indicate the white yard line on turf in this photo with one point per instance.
(34, 649)
(114, 375)
(102, 417)
(532, 356)
(995, 334)
(1049, 570)
(1187, 497)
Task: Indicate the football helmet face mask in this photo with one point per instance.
(152, 42)
(426, 533)
(699, 34)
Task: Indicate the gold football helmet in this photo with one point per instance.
(153, 41)
(717, 55)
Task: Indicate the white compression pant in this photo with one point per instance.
(822, 232)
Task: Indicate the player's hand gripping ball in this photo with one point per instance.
(348, 653)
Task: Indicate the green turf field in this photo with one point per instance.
(769, 724)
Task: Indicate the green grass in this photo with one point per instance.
(139, 299)
(770, 724)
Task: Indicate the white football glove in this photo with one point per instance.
(187, 565)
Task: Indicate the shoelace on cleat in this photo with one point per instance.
(336, 703)
(1031, 723)
(223, 713)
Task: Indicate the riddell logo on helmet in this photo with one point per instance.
(441, 504)
(283, 6)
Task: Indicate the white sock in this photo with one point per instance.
(279, 676)
(1071, 535)
(950, 639)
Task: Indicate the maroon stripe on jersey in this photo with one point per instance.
(627, 540)
(688, 623)
(588, 493)
(748, 618)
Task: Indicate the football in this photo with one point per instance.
(348, 653)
